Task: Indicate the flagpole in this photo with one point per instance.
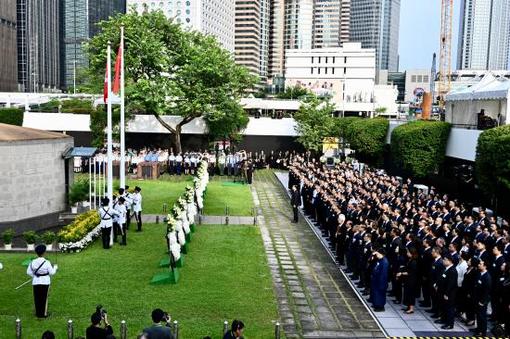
(122, 166)
(109, 133)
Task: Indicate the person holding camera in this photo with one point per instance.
(100, 327)
(236, 331)
(161, 327)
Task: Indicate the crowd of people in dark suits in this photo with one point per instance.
(407, 243)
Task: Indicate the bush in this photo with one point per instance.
(492, 163)
(368, 138)
(342, 126)
(30, 237)
(49, 237)
(8, 235)
(11, 116)
(419, 147)
(79, 228)
(79, 191)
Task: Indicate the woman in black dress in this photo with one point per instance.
(410, 278)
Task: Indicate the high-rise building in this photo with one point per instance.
(276, 39)
(484, 35)
(80, 19)
(214, 17)
(298, 24)
(375, 23)
(331, 23)
(265, 20)
(8, 55)
(247, 34)
(38, 45)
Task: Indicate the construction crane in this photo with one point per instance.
(445, 51)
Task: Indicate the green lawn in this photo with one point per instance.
(221, 192)
(225, 277)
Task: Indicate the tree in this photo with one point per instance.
(170, 71)
(294, 92)
(314, 122)
(229, 125)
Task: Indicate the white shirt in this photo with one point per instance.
(137, 202)
(178, 158)
(122, 211)
(107, 214)
(46, 269)
(461, 270)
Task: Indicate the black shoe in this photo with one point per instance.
(438, 321)
(447, 327)
(378, 309)
(435, 316)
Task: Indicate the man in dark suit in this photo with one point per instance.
(437, 270)
(379, 280)
(482, 297)
(447, 289)
(161, 328)
(295, 201)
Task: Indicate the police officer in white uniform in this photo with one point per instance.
(137, 208)
(120, 207)
(128, 203)
(40, 270)
(106, 213)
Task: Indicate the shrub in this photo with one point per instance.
(49, 237)
(368, 138)
(79, 228)
(419, 147)
(342, 126)
(30, 237)
(79, 191)
(11, 116)
(8, 235)
(492, 164)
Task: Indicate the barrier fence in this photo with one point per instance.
(124, 329)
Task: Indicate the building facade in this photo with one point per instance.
(247, 34)
(375, 23)
(331, 23)
(484, 35)
(38, 45)
(8, 55)
(214, 17)
(347, 73)
(80, 19)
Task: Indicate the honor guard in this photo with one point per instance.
(40, 270)
(106, 214)
(120, 207)
(128, 203)
(137, 208)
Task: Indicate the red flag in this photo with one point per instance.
(116, 80)
(105, 89)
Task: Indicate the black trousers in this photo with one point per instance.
(295, 211)
(128, 218)
(124, 234)
(138, 217)
(116, 231)
(105, 236)
(481, 319)
(41, 300)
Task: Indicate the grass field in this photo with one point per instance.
(221, 193)
(225, 277)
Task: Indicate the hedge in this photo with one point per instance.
(342, 125)
(368, 138)
(419, 147)
(11, 116)
(492, 163)
(80, 227)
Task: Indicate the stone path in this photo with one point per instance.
(314, 298)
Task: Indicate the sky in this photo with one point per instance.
(419, 33)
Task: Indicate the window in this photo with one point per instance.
(333, 59)
(345, 70)
(326, 59)
(312, 60)
(419, 78)
(425, 78)
(311, 70)
(319, 61)
(333, 70)
(345, 60)
(413, 78)
(326, 70)
(318, 70)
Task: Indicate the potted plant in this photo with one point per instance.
(30, 237)
(48, 238)
(7, 237)
(78, 192)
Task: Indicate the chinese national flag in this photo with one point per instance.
(116, 80)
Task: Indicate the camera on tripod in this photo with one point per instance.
(101, 311)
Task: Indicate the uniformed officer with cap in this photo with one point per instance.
(106, 213)
(137, 208)
(40, 269)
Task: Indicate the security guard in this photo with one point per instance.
(40, 270)
(106, 213)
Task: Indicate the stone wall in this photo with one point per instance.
(32, 179)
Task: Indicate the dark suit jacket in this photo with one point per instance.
(158, 332)
(295, 198)
(447, 284)
(483, 287)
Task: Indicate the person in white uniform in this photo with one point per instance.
(40, 269)
(120, 207)
(137, 208)
(106, 214)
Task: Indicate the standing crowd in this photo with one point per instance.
(400, 241)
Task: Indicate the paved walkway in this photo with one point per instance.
(314, 298)
(206, 219)
(393, 319)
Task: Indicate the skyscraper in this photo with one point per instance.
(38, 45)
(265, 20)
(80, 19)
(484, 35)
(331, 23)
(215, 17)
(375, 23)
(8, 56)
(247, 34)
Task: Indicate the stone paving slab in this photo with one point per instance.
(394, 321)
(315, 300)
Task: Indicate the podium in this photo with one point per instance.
(147, 170)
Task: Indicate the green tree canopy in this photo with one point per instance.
(170, 70)
(294, 92)
(368, 138)
(314, 122)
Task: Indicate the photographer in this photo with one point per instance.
(96, 330)
(161, 327)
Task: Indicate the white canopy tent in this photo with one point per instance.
(491, 95)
